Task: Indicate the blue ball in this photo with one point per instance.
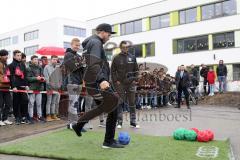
(124, 138)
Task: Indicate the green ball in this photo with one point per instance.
(179, 134)
(190, 135)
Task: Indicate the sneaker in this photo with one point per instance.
(41, 119)
(8, 122)
(102, 125)
(134, 125)
(119, 126)
(112, 145)
(69, 126)
(24, 120)
(49, 118)
(149, 107)
(2, 123)
(55, 118)
(77, 129)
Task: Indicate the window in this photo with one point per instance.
(15, 40)
(188, 16)
(5, 42)
(136, 50)
(160, 21)
(31, 35)
(30, 50)
(229, 7)
(150, 49)
(236, 72)
(220, 9)
(131, 27)
(208, 11)
(74, 31)
(66, 45)
(223, 40)
(192, 44)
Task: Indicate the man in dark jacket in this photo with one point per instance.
(35, 79)
(124, 72)
(74, 67)
(204, 73)
(18, 81)
(97, 83)
(222, 76)
(5, 97)
(182, 84)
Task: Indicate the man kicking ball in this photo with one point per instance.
(97, 83)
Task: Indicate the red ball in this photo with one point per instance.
(210, 135)
(202, 136)
(195, 129)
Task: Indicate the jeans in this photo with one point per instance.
(222, 83)
(32, 99)
(211, 88)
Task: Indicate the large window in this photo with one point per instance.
(236, 72)
(137, 50)
(150, 49)
(31, 35)
(188, 16)
(5, 42)
(30, 50)
(131, 27)
(220, 9)
(160, 21)
(223, 40)
(74, 31)
(192, 44)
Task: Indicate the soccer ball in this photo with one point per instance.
(124, 138)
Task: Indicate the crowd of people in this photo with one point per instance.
(35, 85)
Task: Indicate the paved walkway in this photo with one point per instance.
(224, 121)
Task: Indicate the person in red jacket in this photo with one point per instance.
(211, 81)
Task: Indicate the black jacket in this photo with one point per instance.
(97, 69)
(221, 70)
(74, 66)
(204, 72)
(184, 81)
(124, 68)
(17, 80)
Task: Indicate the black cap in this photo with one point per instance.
(105, 27)
(3, 52)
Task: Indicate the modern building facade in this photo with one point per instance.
(56, 32)
(169, 32)
(185, 32)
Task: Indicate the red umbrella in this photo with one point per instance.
(57, 51)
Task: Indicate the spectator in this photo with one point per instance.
(35, 79)
(18, 82)
(53, 96)
(43, 63)
(222, 75)
(5, 97)
(211, 81)
(203, 73)
(182, 83)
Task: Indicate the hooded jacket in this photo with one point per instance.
(98, 69)
(221, 70)
(18, 74)
(73, 64)
(211, 77)
(3, 68)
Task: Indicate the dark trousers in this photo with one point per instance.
(106, 101)
(20, 105)
(5, 105)
(44, 102)
(186, 94)
(205, 84)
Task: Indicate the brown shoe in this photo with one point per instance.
(49, 118)
(55, 118)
